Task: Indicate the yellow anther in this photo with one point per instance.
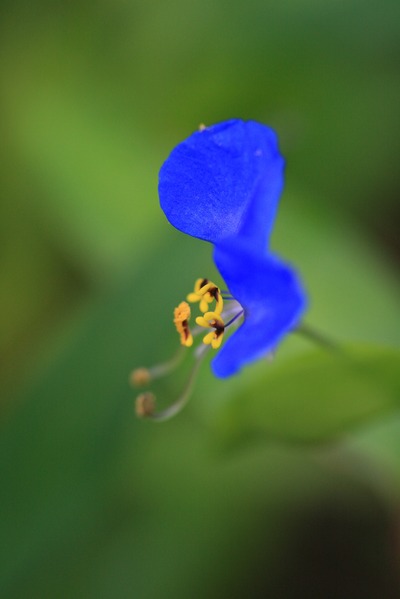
(181, 322)
(208, 339)
(205, 292)
(192, 297)
(145, 404)
(140, 377)
(201, 321)
(219, 303)
(214, 321)
(198, 296)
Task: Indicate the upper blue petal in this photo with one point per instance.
(273, 300)
(224, 181)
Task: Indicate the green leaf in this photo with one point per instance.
(317, 396)
(93, 498)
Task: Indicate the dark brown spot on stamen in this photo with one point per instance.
(219, 328)
(185, 329)
(214, 292)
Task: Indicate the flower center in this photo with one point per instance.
(206, 293)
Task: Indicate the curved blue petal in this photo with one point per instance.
(224, 181)
(273, 301)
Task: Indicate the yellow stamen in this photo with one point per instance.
(197, 296)
(181, 322)
(212, 320)
(205, 292)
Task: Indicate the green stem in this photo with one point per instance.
(317, 337)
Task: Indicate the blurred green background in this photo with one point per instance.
(283, 482)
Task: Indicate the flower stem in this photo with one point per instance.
(317, 337)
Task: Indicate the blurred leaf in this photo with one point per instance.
(94, 499)
(93, 176)
(318, 396)
(91, 496)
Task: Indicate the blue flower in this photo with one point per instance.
(222, 184)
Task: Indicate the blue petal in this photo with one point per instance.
(273, 300)
(224, 181)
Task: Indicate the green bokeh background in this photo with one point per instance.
(284, 481)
